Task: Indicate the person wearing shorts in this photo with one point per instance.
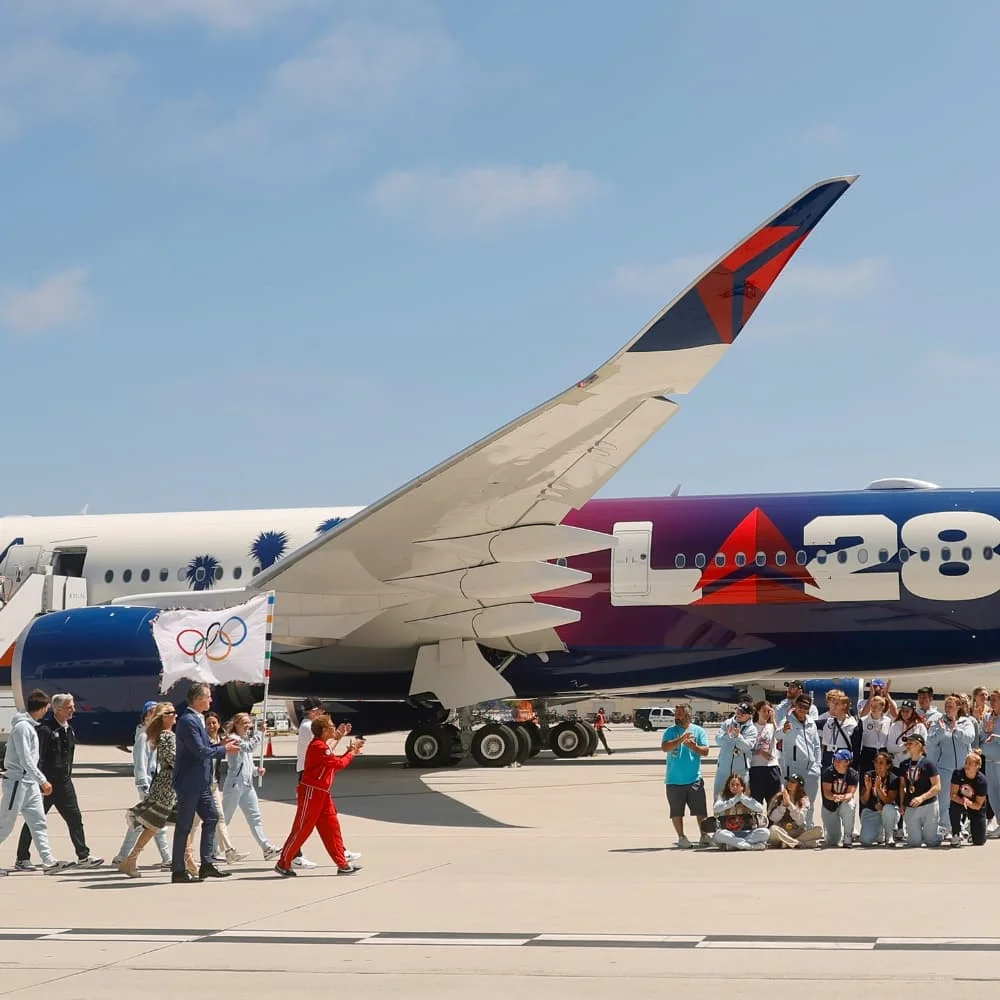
(685, 744)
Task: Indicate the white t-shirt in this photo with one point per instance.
(894, 744)
(875, 732)
(305, 738)
(836, 737)
(765, 749)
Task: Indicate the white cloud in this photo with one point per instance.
(43, 82)
(823, 135)
(483, 198)
(59, 300)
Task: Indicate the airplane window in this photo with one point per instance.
(780, 558)
(127, 575)
(862, 556)
(164, 573)
(761, 559)
(821, 557)
(842, 556)
(801, 558)
(237, 572)
(199, 574)
(741, 559)
(679, 560)
(218, 572)
(904, 555)
(144, 576)
(966, 553)
(987, 552)
(256, 570)
(700, 560)
(109, 576)
(720, 559)
(883, 555)
(561, 561)
(925, 555)
(180, 574)
(945, 554)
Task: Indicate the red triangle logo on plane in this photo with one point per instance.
(750, 583)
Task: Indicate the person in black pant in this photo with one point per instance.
(56, 749)
(968, 799)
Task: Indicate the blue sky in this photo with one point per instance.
(295, 252)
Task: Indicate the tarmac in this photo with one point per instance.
(559, 877)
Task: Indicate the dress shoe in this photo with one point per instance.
(183, 877)
(210, 871)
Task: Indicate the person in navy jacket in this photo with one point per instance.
(193, 784)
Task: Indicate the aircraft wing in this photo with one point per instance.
(456, 553)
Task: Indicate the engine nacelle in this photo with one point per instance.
(853, 687)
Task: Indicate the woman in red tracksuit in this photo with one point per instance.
(315, 806)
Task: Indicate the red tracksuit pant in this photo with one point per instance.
(315, 811)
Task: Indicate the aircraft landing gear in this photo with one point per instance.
(433, 746)
(495, 745)
(570, 739)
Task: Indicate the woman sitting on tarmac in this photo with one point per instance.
(739, 818)
(787, 812)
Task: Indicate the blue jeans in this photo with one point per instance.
(245, 797)
(839, 824)
(188, 803)
(878, 826)
(922, 825)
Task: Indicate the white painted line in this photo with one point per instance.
(111, 936)
(448, 942)
(32, 931)
(317, 935)
(940, 942)
(626, 938)
(779, 944)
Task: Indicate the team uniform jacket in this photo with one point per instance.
(321, 765)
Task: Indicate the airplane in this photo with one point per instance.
(496, 575)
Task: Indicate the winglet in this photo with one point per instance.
(716, 307)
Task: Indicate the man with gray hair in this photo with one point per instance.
(56, 750)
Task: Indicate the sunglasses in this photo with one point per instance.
(169, 713)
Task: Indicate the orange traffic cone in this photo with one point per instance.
(269, 752)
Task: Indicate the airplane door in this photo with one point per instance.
(20, 561)
(630, 558)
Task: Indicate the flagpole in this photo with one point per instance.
(267, 678)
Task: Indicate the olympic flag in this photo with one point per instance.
(232, 644)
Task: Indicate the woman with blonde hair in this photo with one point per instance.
(238, 790)
(159, 808)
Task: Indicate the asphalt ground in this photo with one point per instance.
(559, 878)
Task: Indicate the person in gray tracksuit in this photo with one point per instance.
(991, 751)
(801, 751)
(24, 784)
(736, 738)
(949, 740)
(238, 790)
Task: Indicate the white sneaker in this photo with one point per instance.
(352, 856)
(271, 853)
(58, 866)
(232, 856)
(683, 842)
(957, 841)
(994, 834)
(303, 862)
(757, 847)
(24, 866)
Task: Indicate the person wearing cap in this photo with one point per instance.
(765, 762)
(801, 752)
(840, 782)
(793, 690)
(786, 814)
(949, 740)
(144, 770)
(880, 687)
(736, 738)
(879, 797)
(925, 706)
(921, 788)
(907, 722)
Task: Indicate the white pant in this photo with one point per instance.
(245, 796)
(876, 826)
(839, 824)
(726, 838)
(24, 798)
(922, 825)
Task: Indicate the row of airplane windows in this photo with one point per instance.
(861, 555)
(200, 574)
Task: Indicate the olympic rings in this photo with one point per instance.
(215, 635)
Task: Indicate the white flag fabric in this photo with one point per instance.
(231, 644)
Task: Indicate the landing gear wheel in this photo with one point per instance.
(568, 739)
(535, 735)
(429, 746)
(494, 745)
(591, 739)
(523, 743)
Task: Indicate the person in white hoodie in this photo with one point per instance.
(801, 752)
(238, 790)
(736, 738)
(24, 784)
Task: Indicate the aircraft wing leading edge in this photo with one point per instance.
(456, 553)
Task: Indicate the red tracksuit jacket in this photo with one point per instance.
(321, 764)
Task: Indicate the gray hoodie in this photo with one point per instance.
(22, 750)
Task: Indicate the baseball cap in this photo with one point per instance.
(804, 699)
(843, 755)
(310, 703)
(910, 737)
(745, 707)
(148, 706)
(878, 682)
(796, 684)
(925, 690)
(795, 777)
(908, 703)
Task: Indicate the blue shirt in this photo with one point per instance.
(683, 764)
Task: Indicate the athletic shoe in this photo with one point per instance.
(957, 842)
(757, 847)
(683, 842)
(272, 852)
(24, 866)
(352, 856)
(90, 862)
(349, 870)
(706, 841)
(303, 862)
(232, 856)
(994, 834)
(165, 866)
(58, 866)
(285, 872)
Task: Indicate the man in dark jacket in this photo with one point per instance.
(193, 767)
(56, 749)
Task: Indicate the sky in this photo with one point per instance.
(277, 253)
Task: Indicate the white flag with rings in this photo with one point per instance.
(231, 644)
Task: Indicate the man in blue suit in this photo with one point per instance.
(193, 784)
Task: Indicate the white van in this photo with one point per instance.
(648, 719)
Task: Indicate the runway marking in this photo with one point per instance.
(509, 939)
